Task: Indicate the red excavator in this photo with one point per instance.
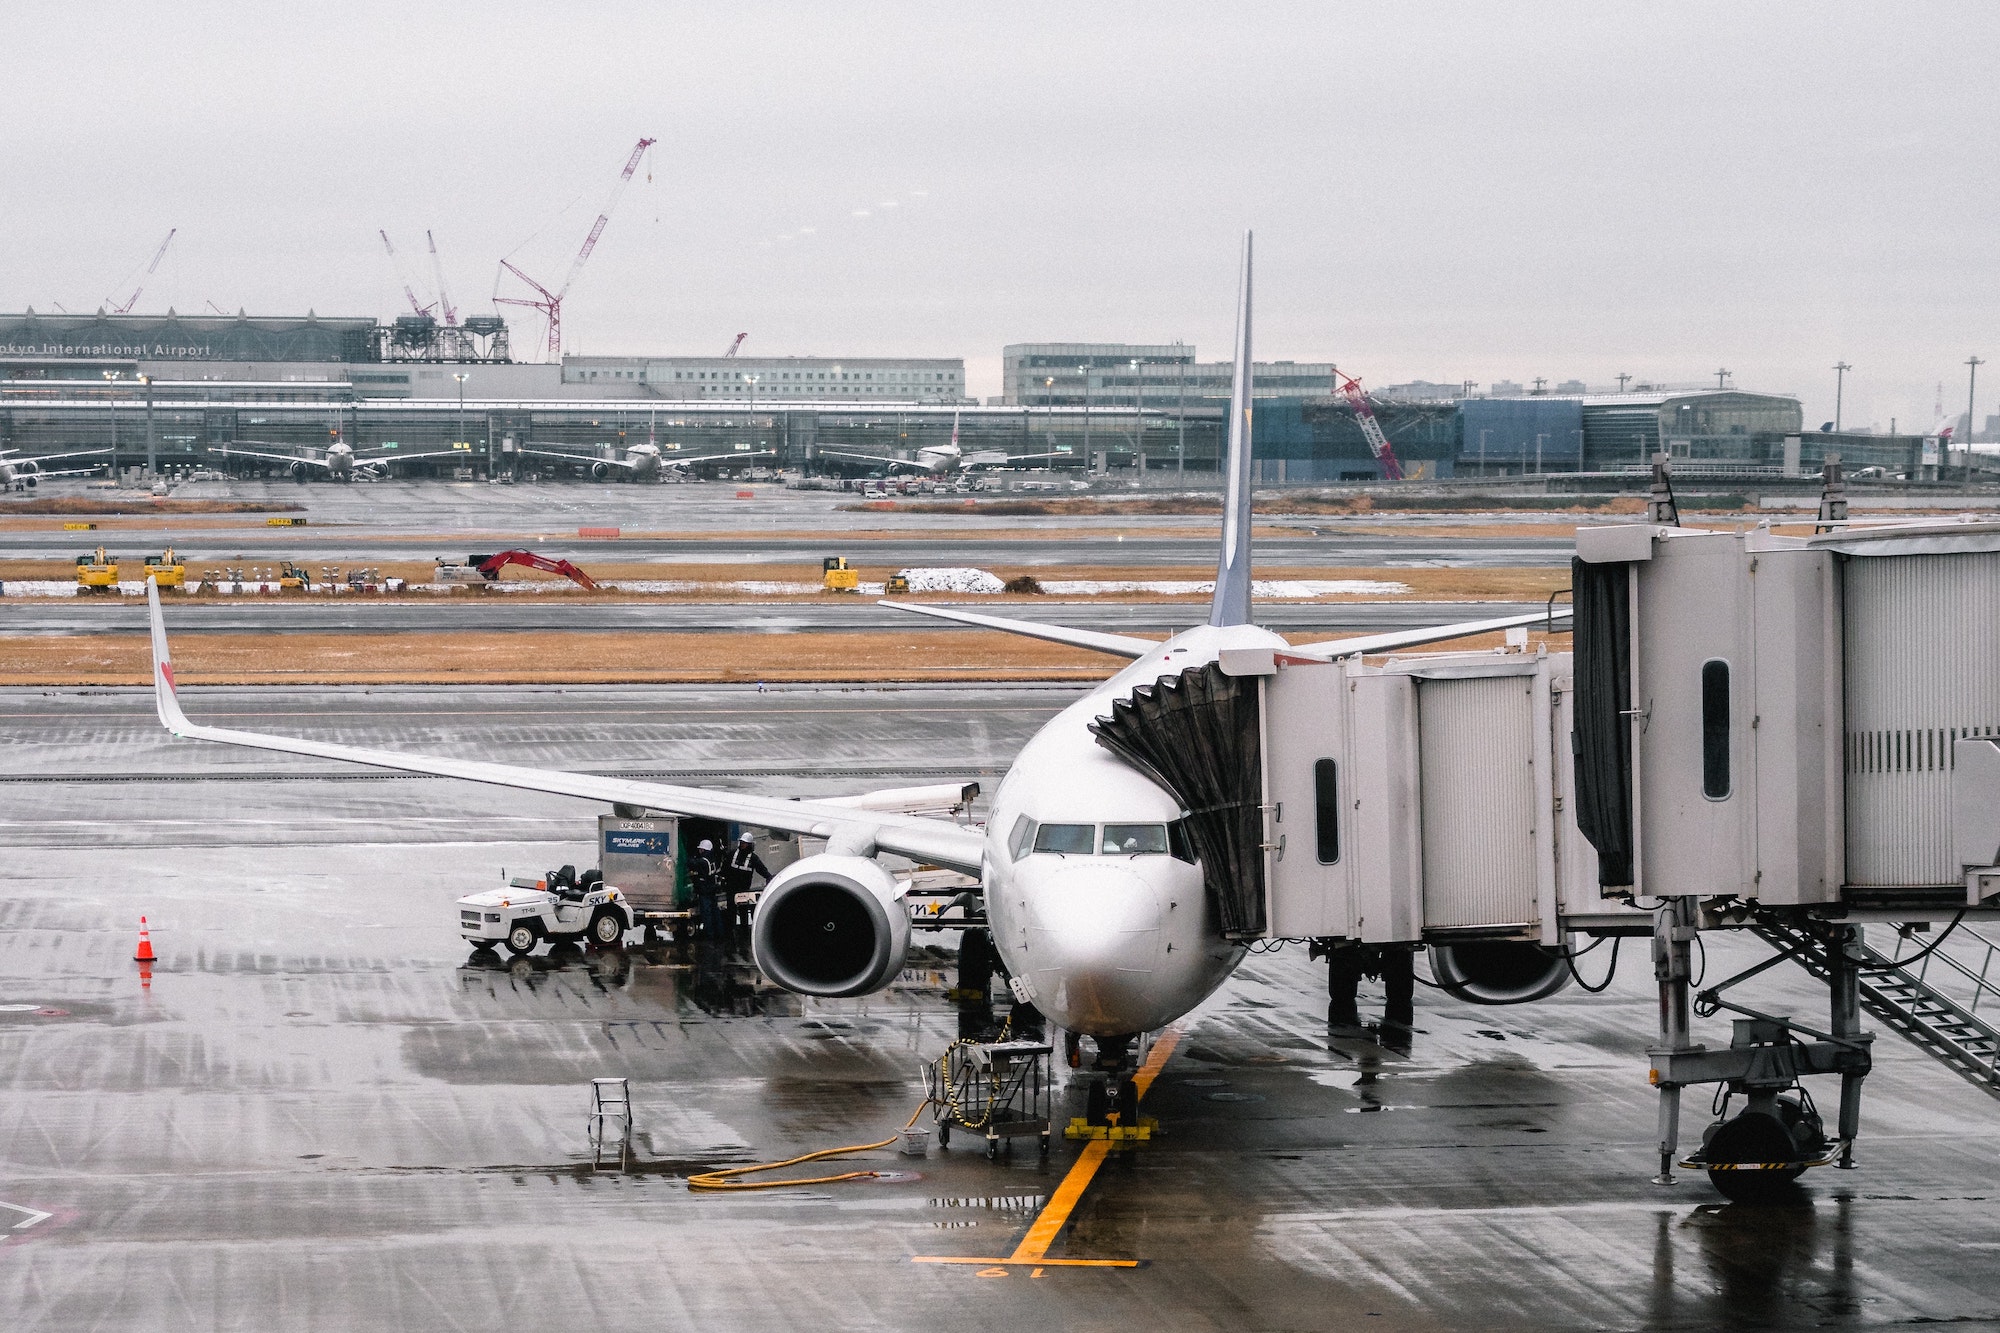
(489, 566)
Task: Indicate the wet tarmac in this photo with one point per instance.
(319, 1112)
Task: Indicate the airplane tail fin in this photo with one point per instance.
(1232, 572)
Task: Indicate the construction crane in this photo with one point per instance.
(738, 343)
(126, 307)
(1378, 443)
(551, 302)
(402, 277)
(449, 310)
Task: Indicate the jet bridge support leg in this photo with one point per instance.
(1673, 936)
(1844, 992)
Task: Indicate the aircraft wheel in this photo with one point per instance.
(522, 939)
(1128, 1103)
(1096, 1103)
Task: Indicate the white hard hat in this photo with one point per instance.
(746, 837)
(704, 846)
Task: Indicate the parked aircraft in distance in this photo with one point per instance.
(1097, 902)
(646, 462)
(339, 463)
(20, 473)
(941, 460)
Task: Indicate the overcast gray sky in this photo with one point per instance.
(1447, 191)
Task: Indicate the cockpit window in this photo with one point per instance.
(1069, 839)
(1022, 838)
(1133, 839)
(1179, 845)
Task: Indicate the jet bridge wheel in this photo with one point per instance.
(1758, 1141)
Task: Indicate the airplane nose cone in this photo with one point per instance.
(1094, 937)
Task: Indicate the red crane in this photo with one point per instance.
(133, 299)
(1378, 443)
(738, 343)
(437, 267)
(551, 303)
(402, 277)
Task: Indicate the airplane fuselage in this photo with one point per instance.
(1107, 942)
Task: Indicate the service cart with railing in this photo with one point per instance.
(1000, 1090)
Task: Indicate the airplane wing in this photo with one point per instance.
(1128, 646)
(371, 459)
(1005, 460)
(39, 459)
(72, 472)
(868, 458)
(578, 458)
(934, 841)
(1120, 645)
(1411, 638)
(227, 452)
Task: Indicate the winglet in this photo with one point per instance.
(164, 698)
(1232, 572)
(1118, 645)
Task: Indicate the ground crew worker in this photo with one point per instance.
(705, 882)
(742, 864)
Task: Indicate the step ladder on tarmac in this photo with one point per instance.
(1900, 990)
(610, 1125)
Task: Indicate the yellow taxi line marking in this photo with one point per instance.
(1039, 1263)
(1055, 1216)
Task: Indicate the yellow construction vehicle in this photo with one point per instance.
(837, 577)
(294, 578)
(96, 572)
(897, 583)
(167, 569)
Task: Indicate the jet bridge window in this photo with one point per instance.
(1134, 839)
(1715, 729)
(1326, 810)
(1068, 839)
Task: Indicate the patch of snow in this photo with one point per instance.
(953, 579)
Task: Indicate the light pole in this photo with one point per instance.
(1538, 453)
(461, 376)
(751, 420)
(1722, 378)
(111, 378)
(1139, 411)
(1482, 451)
(1623, 380)
(1085, 372)
(147, 381)
(1972, 365)
(1180, 413)
(1840, 369)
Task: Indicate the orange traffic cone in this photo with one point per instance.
(145, 950)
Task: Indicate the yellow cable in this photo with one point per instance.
(722, 1180)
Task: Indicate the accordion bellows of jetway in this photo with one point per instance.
(1802, 720)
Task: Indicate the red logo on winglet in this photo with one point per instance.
(167, 670)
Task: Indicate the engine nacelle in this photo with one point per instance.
(300, 471)
(599, 471)
(1499, 971)
(831, 925)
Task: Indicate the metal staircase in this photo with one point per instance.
(1904, 996)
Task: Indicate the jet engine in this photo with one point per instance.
(1499, 971)
(599, 471)
(831, 925)
(300, 471)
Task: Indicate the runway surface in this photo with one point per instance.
(512, 613)
(322, 1114)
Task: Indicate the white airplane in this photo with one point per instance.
(340, 462)
(646, 462)
(1099, 908)
(18, 473)
(941, 460)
